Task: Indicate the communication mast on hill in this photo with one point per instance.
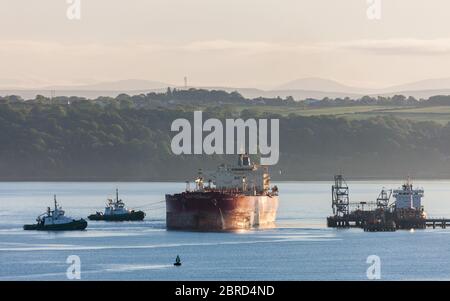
(185, 82)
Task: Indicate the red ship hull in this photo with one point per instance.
(219, 211)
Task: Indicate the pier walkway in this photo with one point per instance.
(437, 222)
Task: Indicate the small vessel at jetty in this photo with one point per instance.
(116, 211)
(408, 210)
(55, 220)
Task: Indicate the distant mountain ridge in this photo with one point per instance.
(327, 85)
(120, 85)
(427, 84)
(318, 84)
(300, 89)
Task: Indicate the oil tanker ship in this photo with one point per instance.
(231, 198)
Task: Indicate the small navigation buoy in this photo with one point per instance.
(411, 230)
(177, 261)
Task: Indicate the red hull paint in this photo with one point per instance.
(219, 211)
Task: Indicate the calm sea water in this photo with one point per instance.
(299, 248)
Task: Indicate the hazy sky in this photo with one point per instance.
(242, 43)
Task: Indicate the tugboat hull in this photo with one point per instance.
(132, 216)
(218, 211)
(73, 226)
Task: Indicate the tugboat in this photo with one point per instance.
(54, 220)
(116, 211)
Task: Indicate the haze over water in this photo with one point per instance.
(299, 248)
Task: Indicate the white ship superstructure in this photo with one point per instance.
(244, 177)
(407, 197)
(116, 207)
(54, 217)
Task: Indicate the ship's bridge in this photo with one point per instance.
(408, 197)
(244, 176)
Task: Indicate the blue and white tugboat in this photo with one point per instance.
(116, 211)
(55, 220)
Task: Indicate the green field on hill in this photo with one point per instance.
(439, 114)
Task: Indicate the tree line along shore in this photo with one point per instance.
(128, 138)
